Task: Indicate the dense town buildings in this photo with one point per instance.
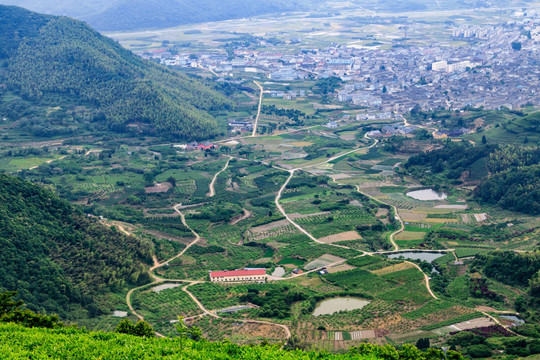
(498, 67)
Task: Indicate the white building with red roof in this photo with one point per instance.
(246, 275)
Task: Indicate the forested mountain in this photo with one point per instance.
(56, 257)
(121, 15)
(506, 176)
(58, 61)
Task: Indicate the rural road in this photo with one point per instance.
(209, 70)
(197, 238)
(291, 174)
(426, 278)
(258, 110)
(199, 304)
(48, 162)
(211, 187)
(244, 216)
(402, 227)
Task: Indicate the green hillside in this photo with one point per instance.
(57, 258)
(52, 61)
(17, 342)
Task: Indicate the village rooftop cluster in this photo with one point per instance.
(497, 68)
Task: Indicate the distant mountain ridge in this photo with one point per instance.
(59, 61)
(123, 15)
(127, 15)
(140, 14)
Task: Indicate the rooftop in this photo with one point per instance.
(250, 272)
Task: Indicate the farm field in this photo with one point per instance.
(351, 206)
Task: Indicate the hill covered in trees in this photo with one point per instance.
(59, 259)
(60, 62)
(507, 176)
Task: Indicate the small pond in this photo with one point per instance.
(427, 194)
(279, 271)
(424, 256)
(330, 306)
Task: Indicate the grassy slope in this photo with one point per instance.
(18, 342)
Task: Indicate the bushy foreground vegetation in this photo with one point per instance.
(22, 330)
(18, 342)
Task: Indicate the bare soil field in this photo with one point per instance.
(301, 143)
(381, 212)
(158, 188)
(323, 260)
(340, 176)
(474, 323)
(269, 226)
(407, 215)
(458, 207)
(393, 268)
(343, 267)
(411, 235)
(344, 236)
(440, 221)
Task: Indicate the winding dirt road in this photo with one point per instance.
(254, 133)
(396, 214)
(426, 278)
(291, 174)
(211, 187)
(158, 280)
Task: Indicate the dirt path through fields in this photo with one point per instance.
(211, 187)
(254, 133)
(159, 280)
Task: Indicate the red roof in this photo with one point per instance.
(238, 273)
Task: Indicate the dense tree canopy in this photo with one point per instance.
(58, 61)
(54, 255)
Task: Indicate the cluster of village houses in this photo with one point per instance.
(490, 74)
